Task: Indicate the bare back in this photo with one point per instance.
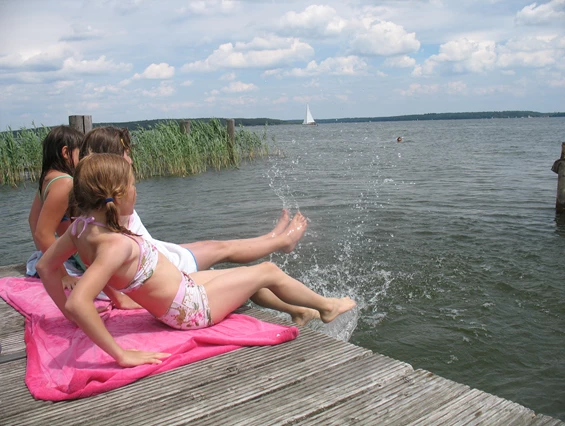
(116, 258)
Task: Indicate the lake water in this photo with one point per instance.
(448, 241)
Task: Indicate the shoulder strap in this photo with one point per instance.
(44, 195)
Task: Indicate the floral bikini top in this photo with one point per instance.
(148, 254)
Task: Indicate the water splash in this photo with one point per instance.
(340, 328)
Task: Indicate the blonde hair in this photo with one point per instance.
(100, 179)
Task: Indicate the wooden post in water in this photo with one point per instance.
(559, 168)
(185, 126)
(83, 123)
(231, 139)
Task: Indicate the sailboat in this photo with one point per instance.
(309, 119)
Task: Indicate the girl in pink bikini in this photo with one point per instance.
(122, 262)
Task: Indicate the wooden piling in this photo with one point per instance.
(559, 168)
(83, 123)
(231, 139)
(185, 126)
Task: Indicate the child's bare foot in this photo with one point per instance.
(305, 316)
(339, 306)
(294, 231)
(281, 224)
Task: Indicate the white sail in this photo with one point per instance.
(309, 119)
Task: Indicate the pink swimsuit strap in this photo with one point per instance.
(85, 221)
(148, 254)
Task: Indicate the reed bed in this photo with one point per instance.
(160, 151)
(20, 155)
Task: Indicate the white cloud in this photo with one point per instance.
(532, 52)
(238, 87)
(99, 92)
(456, 87)
(314, 20)
(403, 61)
(98, 66)
(460, 56)
(187, 83)
(37, 60)
(208, 7)
(553, 11)
(261, 52)
(228, 76)
(156, 72)
(275, 72)
(419, 89)
(348, 65)
(163, 90)
(384, 38)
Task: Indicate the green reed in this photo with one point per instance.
(21, 154)
(160, 151)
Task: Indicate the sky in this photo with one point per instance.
(130, 60)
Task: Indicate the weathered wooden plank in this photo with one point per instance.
(312, 393)
(543, 420)
(12, 325)
(202, 382)
(400, 402)
(18, 270)
(11, 330)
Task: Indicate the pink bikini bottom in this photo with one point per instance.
(190, 309)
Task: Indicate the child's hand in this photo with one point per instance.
(132, 358)
(69, 282)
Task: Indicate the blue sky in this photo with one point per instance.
(127, 60)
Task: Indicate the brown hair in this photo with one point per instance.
(58, 138)
(110, 140)
(99, 180)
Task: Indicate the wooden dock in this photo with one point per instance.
(312, 380)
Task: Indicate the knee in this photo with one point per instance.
(269, 267)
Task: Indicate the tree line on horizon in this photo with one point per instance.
(149, 124)
(145, 124)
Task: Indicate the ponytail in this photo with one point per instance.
(99, 180)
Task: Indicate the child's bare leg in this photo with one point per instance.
(299, 314)
(210, 253)
(229, 289)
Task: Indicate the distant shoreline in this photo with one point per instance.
(262, 121)
(132, 125)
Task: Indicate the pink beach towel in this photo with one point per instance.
(62, 363)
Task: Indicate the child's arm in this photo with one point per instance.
(49, 269)
(48, 220)
(33, 217)
(109, 258)
(53, 209)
